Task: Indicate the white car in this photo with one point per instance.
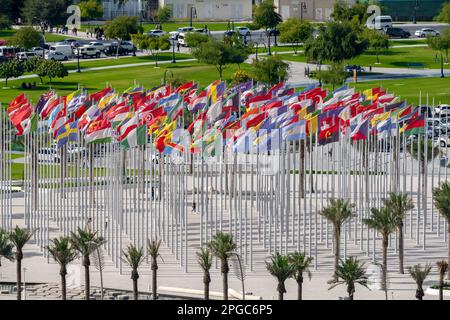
(86, 52)
(175, 34)
(156, 33)
(25, 55)
(243, 31)
(98, 45)
(426, 32)
(56, 56)
(442, 110)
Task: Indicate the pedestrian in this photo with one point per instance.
(194, 207)
(178, 46)
(106, 223)
(370, 68)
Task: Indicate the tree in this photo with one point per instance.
(444, 14)
(164, 14)
(5, 23)
(384, 221)
(204, 258)
(239, 50)
(222, 247)
(153, 252)
(377, 41)
(64, 253)
(122, 28)
(445, 38)
(265, 17)
(419, 275)
(91, 9)
(399, 204)
(352, 272)
(11, 69)
(334, 75)
(49, 12)
(294, 31)
(152, 44)
(335, 42)
(216, 53)
(19, 238)
(27, 38)
(86, 242)
(280, 268)
(134, 256)
(343, 12)
(6, 247)
(337, 213)
(270, 70)
(441, 45)
(11, 9)
(300, 263)
(51, 69)
(441, 197)
(194, 39)
(442, 269)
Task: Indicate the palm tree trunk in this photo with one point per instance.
(63, 273)
(87, 280)
(281, 290)
(384, 271)
(154, 278)
(400, 247)
(300, 288)
(206, 290)
(19, 278)
(448, 237)
(225, 279)
(337, 245)
(441, 286)
(135, 285)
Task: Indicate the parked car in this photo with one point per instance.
(86, 52)
(155, 33)
(182, 39)
(229, 33)
(25, 55)
(397, 33)
(350, 68)
(243, 31)
(49, 155)
(382, 22)
(426, 32)
(8, 52)
(174, 34)
(443, 110)
(98, 45)
(65, 49)
(39, 51)
(200, 30)
(428, 111)
(443, 141)
(56, 56)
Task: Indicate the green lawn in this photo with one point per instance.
(6, 34)
(399, 42)
(393, 58)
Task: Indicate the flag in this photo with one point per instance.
(99, 131)
(415, 125)
(361, 132)
(95, 97)
(68, 132)
(295, 131)
(329, 135)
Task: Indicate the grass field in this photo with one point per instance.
(7, 34)
(416, 57)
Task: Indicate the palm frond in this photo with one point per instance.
(133, 256)
(279, 267)
(441, 196)
(62, 250)
(6, 247)
(20, 236)
(419, 273)
(222, 245)
(204, 259)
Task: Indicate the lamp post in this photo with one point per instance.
(416, 7)
(173, 51)
(268, 42)
(302, 6)
(77, 46)
(193, 13)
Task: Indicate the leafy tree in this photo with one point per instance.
(194, 39)
(334, 75)
(216, 53)
(384, 221)
(153, 252)
(86, 242)
(300, 263)
(240, 76)
(204, 258)
(335, 42)
(19, 238)
(122, 28)
(442, 268)
(337, 213)
(270, 70)
(48, 12)
(64, 253)
(11, 69)
(51, 69)
(265, 15)
(441, 45)
(238, 48)
(6, 247)
(32, 64)
(377, 41)
(27, 38)
(153, 44)
(280, 268)
(294, 31)
(399, 204)
(419, 275)
(134, 256)
(343, 12)
(444, 14)
(222, 247)
(445, 38)
(164, 14)
(5, 23)
(91, 9)
(441, 197)
(352, 272)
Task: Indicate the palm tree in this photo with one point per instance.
(134, 257)
(222, 247)
(280, 268)
(337, 213)
(419, 275)
(19, 237)
(86, 242)
(300, 263)
(6, 247)
(64, 253)
(352, 272)
(205, 262)
(441, 196)
(442, 267)
(384, 221)
(399, 204)
(153, 251)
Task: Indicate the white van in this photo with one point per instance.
(182, 39)
(65, 49)
(383, 22)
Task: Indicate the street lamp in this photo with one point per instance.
(173, 51)
(416, 7)
(268, 42)
(193, 13)
(302, 6)
(77, 46)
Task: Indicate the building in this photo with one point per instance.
(111, 9)
(404, 10)
(313, 10)
(210, 9)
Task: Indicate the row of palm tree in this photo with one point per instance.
(419, 274)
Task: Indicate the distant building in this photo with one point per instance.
(210, 9)
(111, 9)
(313, 10)
(404, 10)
